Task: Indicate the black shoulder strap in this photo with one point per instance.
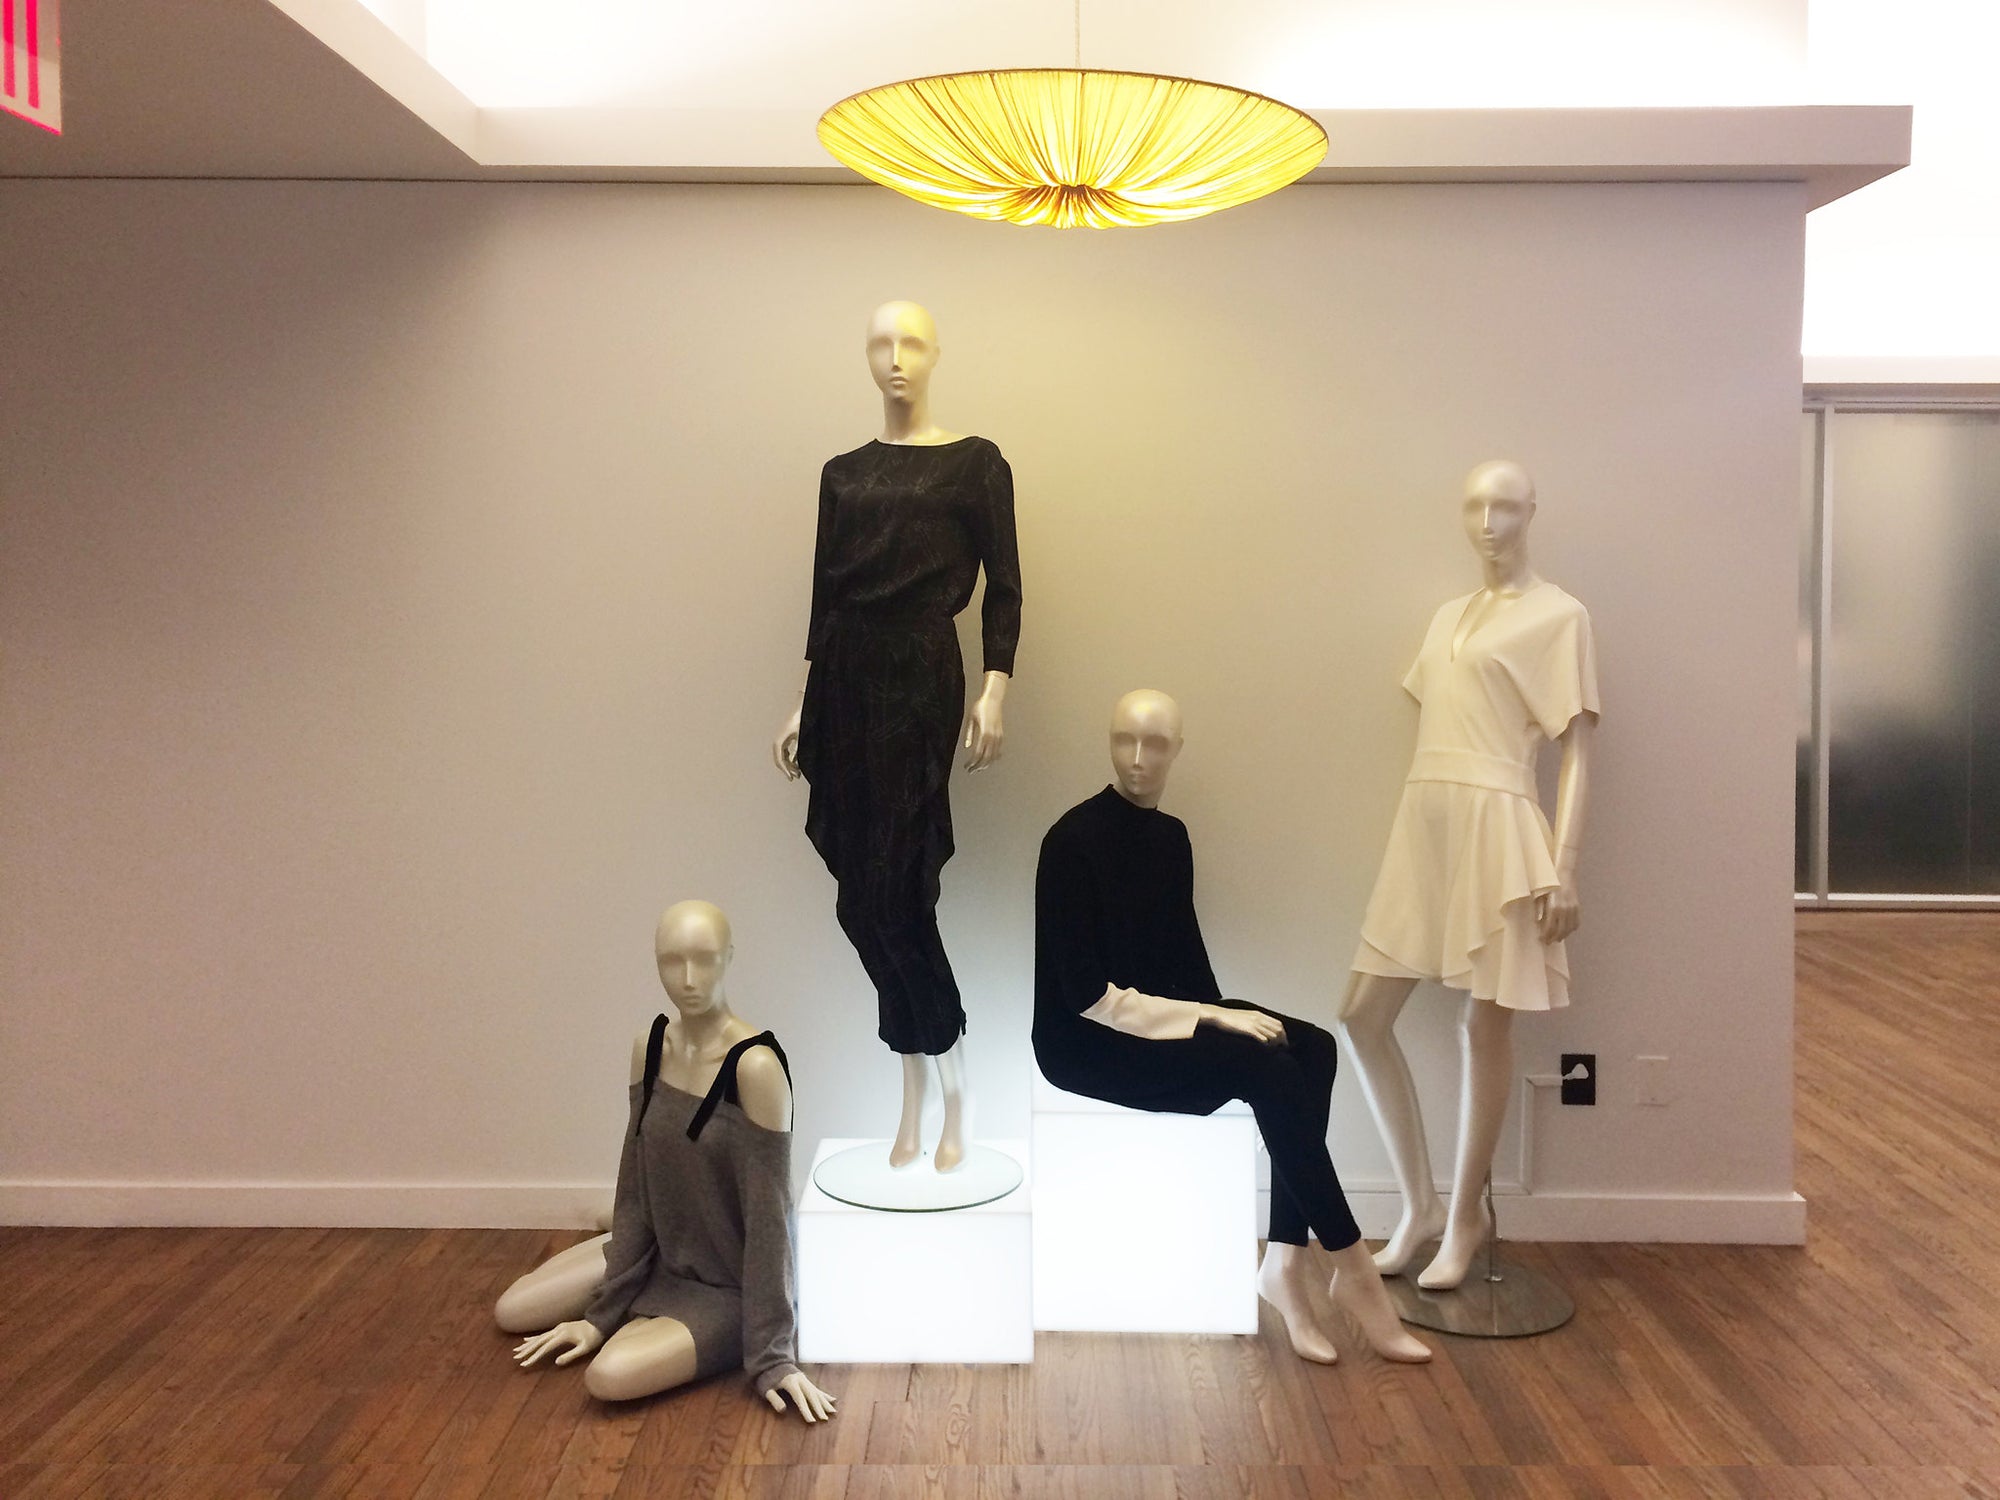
(655, 1042)
(725, 1078)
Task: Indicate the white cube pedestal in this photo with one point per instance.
(1143, 1223)
(953, 1287)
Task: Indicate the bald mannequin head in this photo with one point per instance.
(902, 348)
(1499, 504)
(1145, 740)
(693, 947)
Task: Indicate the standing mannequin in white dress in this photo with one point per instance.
(1475, 890)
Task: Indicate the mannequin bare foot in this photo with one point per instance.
(1416, 1229)
(909, 1142)
(951, 1140)
(1284, 1280)
(1463, 1238)
(1357, 1290)
(957, 1108)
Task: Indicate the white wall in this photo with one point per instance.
(399, 585)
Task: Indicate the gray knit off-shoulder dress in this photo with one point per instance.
(701, 1228)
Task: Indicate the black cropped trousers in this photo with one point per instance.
(877, 727)
(898, 944)
(1288, 1086)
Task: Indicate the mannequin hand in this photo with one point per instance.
(1251, 1023)
(576, 1338)
(814, 1404)
(983, 733)
(785, 748)
(1557, 912)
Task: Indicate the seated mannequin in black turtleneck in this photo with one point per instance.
(1127, 1010)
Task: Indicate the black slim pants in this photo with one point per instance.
(1288, 1086)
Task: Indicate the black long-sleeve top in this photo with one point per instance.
(1114, 904)
(904, 530)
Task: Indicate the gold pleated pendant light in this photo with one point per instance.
(1073, 147)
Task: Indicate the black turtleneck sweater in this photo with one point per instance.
(1114, 904)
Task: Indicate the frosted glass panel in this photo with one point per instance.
(1913, 660)
(1802, 866)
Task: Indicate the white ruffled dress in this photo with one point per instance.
(1471, 848)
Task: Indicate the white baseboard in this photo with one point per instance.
(1663, 1218)
(1767, 1219)
(320, 1205)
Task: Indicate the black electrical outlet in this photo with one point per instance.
(1579, 1078)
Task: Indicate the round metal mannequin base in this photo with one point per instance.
(861, 1176)
(1495, 1301)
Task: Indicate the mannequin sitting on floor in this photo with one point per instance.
(1127, 1010)
(696, 1274)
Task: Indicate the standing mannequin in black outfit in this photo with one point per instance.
(1127, 1010)
(906, 522)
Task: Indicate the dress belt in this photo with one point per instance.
(1474, 768)
(891, 619)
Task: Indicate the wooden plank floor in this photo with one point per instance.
(361, 1363)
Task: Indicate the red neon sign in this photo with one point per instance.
(31, 61)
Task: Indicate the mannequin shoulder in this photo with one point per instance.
(1551, 613)
(763, 1090)
(1065, 827)
(1565, 604)
(1073, 834)
(851, 460)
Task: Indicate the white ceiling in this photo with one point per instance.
(216, 88)
(1317, 54)
(344, 88)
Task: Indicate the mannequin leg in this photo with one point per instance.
(555, 1291)
(1368, 1022)
(896, 938)
(957, 1108)
(909, 1143)
(1287, 1278)
(1358, 1291)
(1283, 1086)
(1486, 1051)
(645, 1356)
(1280, 1086)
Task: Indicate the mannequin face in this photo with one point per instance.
(902, 349)
(693, 949)
(1499, 504)
(1145, 741)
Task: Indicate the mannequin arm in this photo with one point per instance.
(763, 1090)
(1153, 1017)
(628, 1256)
(576, 1339)
(982, 725)
(1159, 1019)
(785, 745)
(1557, 912)
(814, 1404)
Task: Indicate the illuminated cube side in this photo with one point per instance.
(1143, 1223)
(953, 1287)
